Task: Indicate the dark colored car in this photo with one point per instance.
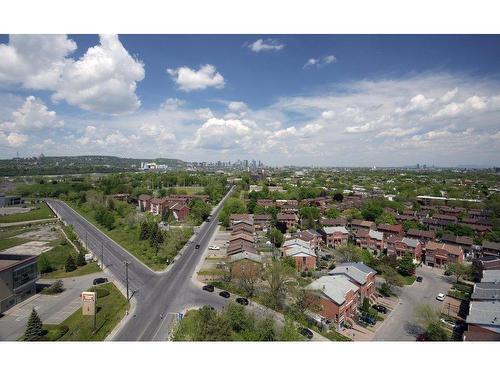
(197, 246)
(208, 288)
(419, 279)
(242, 301)
(225, 294)
(306, 332)
(100, 280)
(368, 319)
(380, 308)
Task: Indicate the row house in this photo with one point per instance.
(442, 254)
(242, 227)
(189, 198)
(335, 236)
(434, 224)
(464, 242)
(292, 203)
(362, 225)
(391, 230)
(402, 218)
(289, 219)
(484, 263)
(479, 230)
(302, 253)
(144, 202)
(400, 246)
(423, 236)
(339, 222)
(339, 298)
(477, 214)
(371, 240)
(266, 203)
(179, 211)
(450, 219)
(491, 248)
(262, 221)
(313, 238)
(447, 210)
(359, 274)
(235, 218)
(157, 205)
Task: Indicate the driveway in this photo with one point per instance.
(52, 309)
(401, 325)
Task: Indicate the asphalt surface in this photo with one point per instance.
(156, 294)
(401, 325)
(52, 309)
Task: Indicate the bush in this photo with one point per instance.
(101, 292)
(57, 287)
(70, 264)
(80, 259)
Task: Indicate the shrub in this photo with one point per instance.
(101, 292)
(80, 259)
(70, 264)
(55, 288)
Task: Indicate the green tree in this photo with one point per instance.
(34, 328)
(278, 277)
(232, 206)
(406, 266)
(459, 270)
(332, 213)
(70, 264)
(366, 305)
(412, 224)
(276, 237)
(289, 332)
(44, 264)
(144, 233)
(80, 259)
(212, 326)
(310, 215)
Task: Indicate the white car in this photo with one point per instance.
(213, 247)
(440, 297)
(448, 323)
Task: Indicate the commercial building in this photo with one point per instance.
(18, 275)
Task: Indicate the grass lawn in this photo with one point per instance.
(6, 243)
(42, 212)
(80, 271)
(77, 327)
(409, 280)
(12, 231)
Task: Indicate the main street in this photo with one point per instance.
(155, 293)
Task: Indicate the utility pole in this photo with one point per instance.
(86, 247)
(126, 276)
(102, 255)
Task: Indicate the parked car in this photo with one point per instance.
(197, 246)
(440, 297)
(449, 323)
(208, 288)
(213, 247)
(368, 319)
(419, 279)
(242, 301)
(100, 280)
(380, 308)
(306, 332)
(225, 294)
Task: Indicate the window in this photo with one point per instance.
(24, 275)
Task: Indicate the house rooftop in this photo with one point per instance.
(486, 291)
(338, 229)
(359, 272)
(490, 276)
(333, 287)
(485, 314)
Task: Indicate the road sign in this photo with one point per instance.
(88, 303)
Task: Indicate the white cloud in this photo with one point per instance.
(397, 132)
(188, 79)
(34, 114)
(320, 61)
(359, 128)
(17, 139)
(237, 106)
(449, 95)
(261, 45)
(103, 80)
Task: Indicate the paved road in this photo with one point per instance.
(51, 309)
(155, 293)
(401, 325)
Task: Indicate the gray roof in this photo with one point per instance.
(411, 242)
(485, 314)
(491, 245)
(490, 276)
(331, 230)
(334, 287)
(486, 291)
(376, 234)
(356, 271)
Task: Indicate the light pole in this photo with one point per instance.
(126, 276)
(102, 255)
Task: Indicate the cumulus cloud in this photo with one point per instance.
(103, 80)
(320, 61)
(33, 115)
(263, 45)
(188, 79)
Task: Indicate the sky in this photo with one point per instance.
(309, 100)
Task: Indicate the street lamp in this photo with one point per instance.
(126, 263)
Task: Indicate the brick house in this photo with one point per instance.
(391, 230)
(359, 274)
(483, 321)
(423, 236)
(335, 236)
(491, 248)
(301, 252)
(288, 219)
(450, 219)
(179, 211)
(339, 298)
(463, 241)
(144, 202)
(339, 222)
(266, 203)
(245, 263)
(362, 225)
(235, 218)
(399, 246)
(262, 221)
(313, 238)
(157, 206)
(371, 240)
(441, 254)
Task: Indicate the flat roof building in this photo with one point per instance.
(18, 275)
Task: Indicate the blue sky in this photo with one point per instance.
(343, 100)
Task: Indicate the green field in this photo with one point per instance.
(110, 310)
(6, 243)
(129, 239)
(42, 212)
(80, 271)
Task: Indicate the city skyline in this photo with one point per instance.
(349, 100)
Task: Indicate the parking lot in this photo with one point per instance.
(401, 325)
